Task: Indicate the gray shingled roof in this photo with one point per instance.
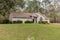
(21, 14)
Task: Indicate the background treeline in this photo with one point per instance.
(47, 7)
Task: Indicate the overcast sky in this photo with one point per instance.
(59, 0)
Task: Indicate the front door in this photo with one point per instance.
(35, 20)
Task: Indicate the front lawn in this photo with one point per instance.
(25, 31)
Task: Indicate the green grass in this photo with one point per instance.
(23, 31)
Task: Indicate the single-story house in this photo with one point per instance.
(21, 16)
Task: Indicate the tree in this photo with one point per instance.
(45, 3)
(53, 11)
(53, 15)
(6, 6)
(21, 3)
(33, 6)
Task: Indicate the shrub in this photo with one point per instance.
(6, 21)
(43, 22)
(28, 21)
(17, 21)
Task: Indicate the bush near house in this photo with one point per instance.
(43, 22)
(6, 21)
(29, 22)
(17, 22)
